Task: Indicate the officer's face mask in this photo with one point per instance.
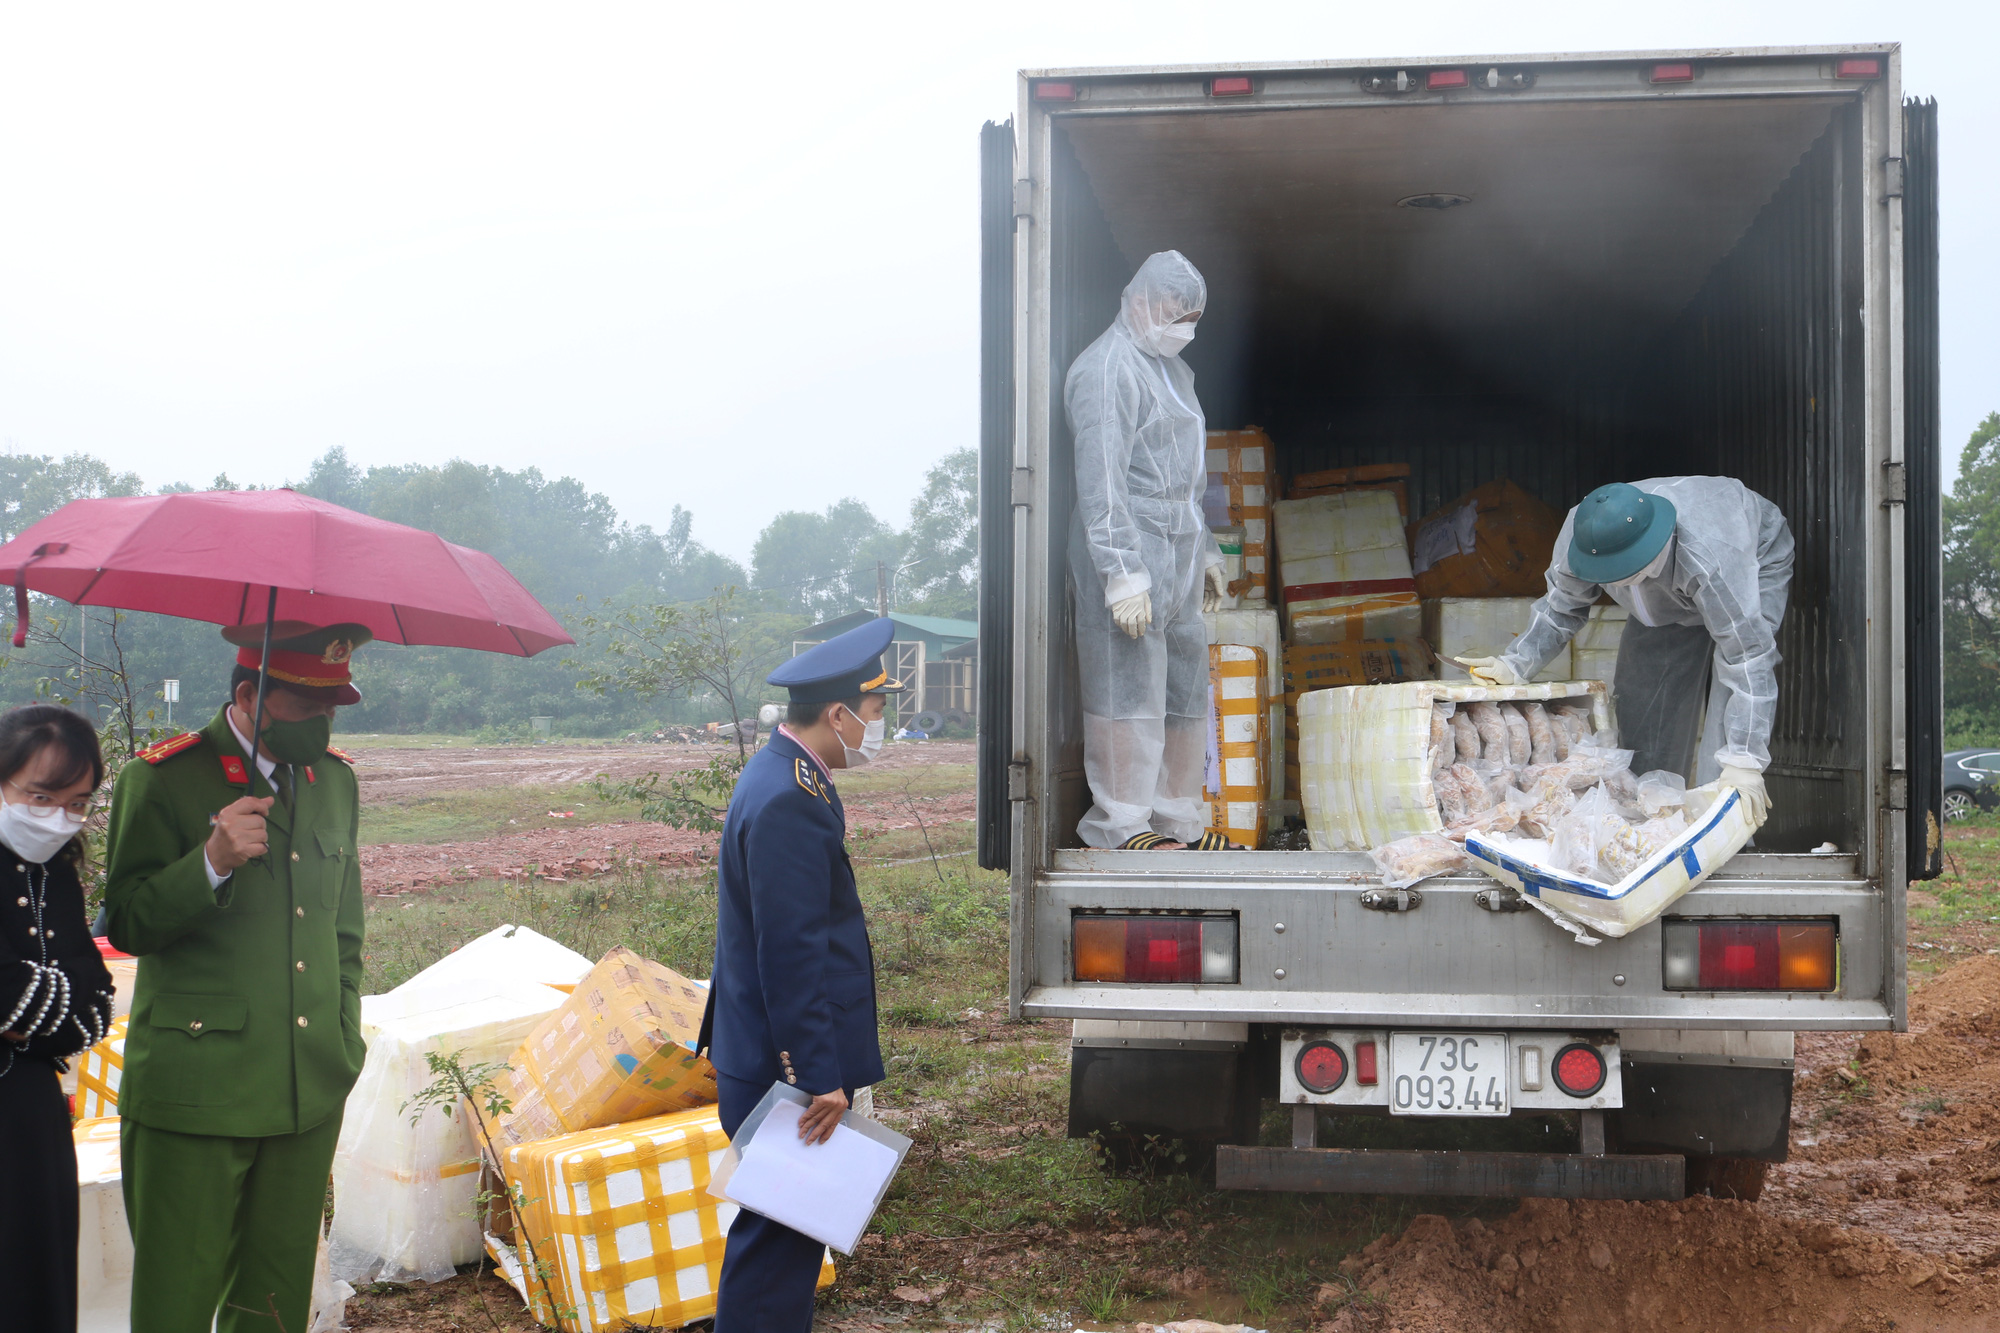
(35, 832)
(871, 738)
(301, 742)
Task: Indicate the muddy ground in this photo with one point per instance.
(1886, 1217)
(586, 847)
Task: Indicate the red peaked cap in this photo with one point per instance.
(310, 659)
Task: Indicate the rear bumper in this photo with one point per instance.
(1498, 1175)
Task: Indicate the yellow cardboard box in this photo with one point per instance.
(98, 1076)
(625, 1231)
(622, 1047)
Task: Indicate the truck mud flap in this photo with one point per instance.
(1499, 1175)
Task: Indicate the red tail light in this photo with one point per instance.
(1153, 948)
(1858, 68)
(1446, 78)
(1578, 1069)
(1320, 1066)
(1231, 87)
(1751, 955)
(1364, 1063)
(1676, 73)
(1048, 90)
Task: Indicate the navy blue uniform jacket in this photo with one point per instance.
(794, 986)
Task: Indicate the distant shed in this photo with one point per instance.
(936, 658)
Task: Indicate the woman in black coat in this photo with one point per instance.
(55, 1002)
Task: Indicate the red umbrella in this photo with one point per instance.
(260, 557)
(255, 557)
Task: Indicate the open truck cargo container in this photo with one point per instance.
(1558, 269)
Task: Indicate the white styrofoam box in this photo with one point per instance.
(1483, 627)
(507, 953)
(403, 1192)
(1364, 755)
(1259, 629)
(1715, 834)
(1344, 568)
(103, 1243)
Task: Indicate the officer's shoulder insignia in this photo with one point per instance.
(808, 778)
(342, 755)
(167, 749)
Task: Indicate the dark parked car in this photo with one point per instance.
(1970, 782)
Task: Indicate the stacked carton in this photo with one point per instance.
(1240, 478)
(625, 1233)
(1238, 781)
(1344, 568)
(605, 1146)
(1494, 541)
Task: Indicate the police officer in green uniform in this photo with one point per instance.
(235, 882)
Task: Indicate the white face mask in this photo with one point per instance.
(37, 835)
(871, 741)
(1169, 340)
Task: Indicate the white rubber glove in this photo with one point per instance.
(1751, 783)
(1490, 671)
(1134, 615)
(1215, 588)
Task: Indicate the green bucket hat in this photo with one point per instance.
(1617, 531)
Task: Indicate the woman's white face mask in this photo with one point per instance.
(35, 833)
(871, 738)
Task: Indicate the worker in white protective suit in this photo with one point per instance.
(1143, 566)
(1702, 566)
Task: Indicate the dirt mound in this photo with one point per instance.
(1557, 1266)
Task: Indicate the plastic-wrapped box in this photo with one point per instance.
(102, 1067)
(1494, 541)
(1239, 781)
(1258, 628)
(508, 953)
(404, 1190)
(1345, 569)
(622, 1222)
(1483, 627)
(1391, 477)
(1365, 758)
(1240, 478)
(622, 1047)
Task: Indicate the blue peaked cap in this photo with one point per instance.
(841, 668)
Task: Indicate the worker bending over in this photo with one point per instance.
(1702, 565)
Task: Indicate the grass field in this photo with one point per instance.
(461, 816)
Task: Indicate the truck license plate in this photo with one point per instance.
(1448, 1073)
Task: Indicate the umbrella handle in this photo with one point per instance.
(21, 589)
(263, 678)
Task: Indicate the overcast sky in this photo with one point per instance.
(684, 256)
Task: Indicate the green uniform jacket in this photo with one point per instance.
(246, 1020)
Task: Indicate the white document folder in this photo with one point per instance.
(825, 1190)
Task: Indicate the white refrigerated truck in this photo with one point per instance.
(1558, 269)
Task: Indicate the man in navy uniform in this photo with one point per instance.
(793, 997)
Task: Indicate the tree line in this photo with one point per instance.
(566, 543)
(1972, 593)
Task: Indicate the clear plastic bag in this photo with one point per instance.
(1419, 856)
(1660, 792)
